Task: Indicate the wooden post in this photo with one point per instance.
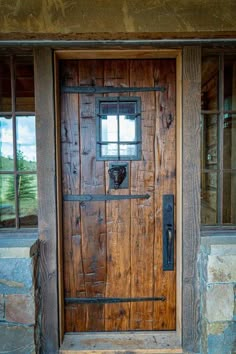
(191, 196)
(233, 148)
(45, 136)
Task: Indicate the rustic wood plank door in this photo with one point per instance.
(114, 249)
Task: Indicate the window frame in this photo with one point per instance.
(14, 114)
(220, 112)
(138, 129)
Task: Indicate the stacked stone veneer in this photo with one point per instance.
(218, 293)
(17, 305)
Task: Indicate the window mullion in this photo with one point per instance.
(221, 140)
(13, 102)
(118, 122)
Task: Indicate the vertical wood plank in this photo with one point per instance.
(191, 196)
(74, 278)
(116, 73)
(142, 211)
(45, 128)
(165, 183)
(93, 214)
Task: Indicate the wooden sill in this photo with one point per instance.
(126, 342)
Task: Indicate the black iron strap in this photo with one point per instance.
(101, 197)
(110, 300)
(108, 89)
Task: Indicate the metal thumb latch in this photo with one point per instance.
(168, 232)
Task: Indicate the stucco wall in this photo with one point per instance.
(105, 18)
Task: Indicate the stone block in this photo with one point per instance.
(219, 302)
(15, 276)
(16, 339)
(223, 342)
(223, 249)
(20, 308)
(222, 269)
(216, 328)
(2, 308)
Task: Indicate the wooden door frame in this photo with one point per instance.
(128, 54)
(188, 186)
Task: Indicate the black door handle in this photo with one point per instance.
(168, 232)
(169, 245)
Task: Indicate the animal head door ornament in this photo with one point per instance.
(117, 175)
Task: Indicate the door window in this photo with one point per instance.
(118, 128)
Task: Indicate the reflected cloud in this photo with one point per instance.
(25, 131)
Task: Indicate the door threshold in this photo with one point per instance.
(125, 342)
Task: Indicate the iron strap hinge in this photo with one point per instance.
(110, 300)
(108, 89)
(101, 197)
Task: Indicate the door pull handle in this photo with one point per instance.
(169, 245)
(168, 232)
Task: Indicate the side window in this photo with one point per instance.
(18, 179)
(218, 140)
(118, 128)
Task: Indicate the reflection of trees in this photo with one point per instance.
(26, 183)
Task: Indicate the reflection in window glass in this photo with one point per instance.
(209, 138)
(24, 73)
(27, 194)
(218, 139)
(6, 144)
(26, 143)
(229, 83)
(229, 141)
(128, 150)
(229, 198)
(108, 108)
(18, 181)
(109, 150)
(109, 128)
(5, 85)
(127, 108)
(209, 198)
(118, 128)
(7, 201)
(127, 128)
(210, 81)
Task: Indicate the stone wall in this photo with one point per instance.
(17, 303)
(218, 295)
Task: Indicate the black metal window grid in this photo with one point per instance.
(118, 125)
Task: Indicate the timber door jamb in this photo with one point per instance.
(127, 54)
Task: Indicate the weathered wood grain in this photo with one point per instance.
(165, 174)
(191, 196)
(116, 73)
(93, 215)
(142, 211)
(114, 249)
(73, 273)
(135, 342)
(45, 127)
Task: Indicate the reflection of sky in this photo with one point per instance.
(110, 130)
(25, 128)
(110, 133)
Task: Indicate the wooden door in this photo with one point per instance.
(113, 249)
